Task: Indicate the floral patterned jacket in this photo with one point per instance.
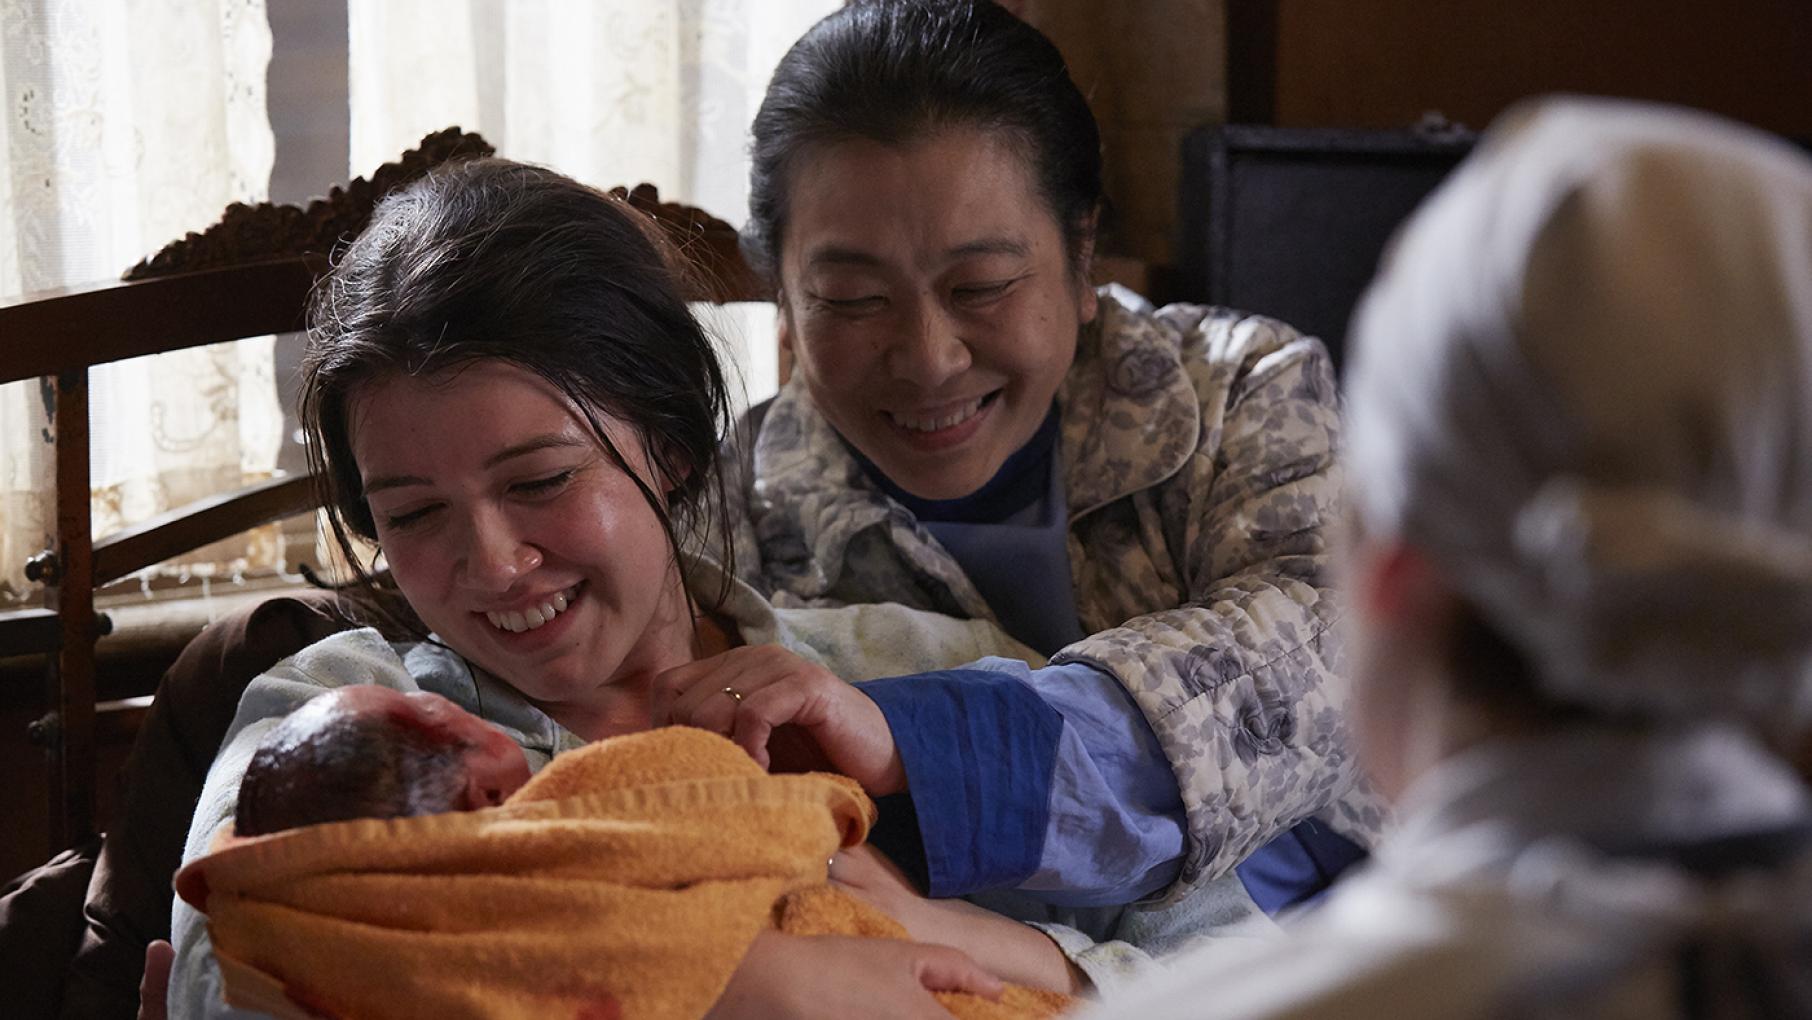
(1198, 448)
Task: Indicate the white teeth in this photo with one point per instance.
(957, 417)
(516, 621)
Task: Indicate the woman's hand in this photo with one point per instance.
(1013, 951)
(154, 987)
(799, 976)
(869, 875)
(789, 714)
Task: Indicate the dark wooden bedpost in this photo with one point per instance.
(67, 729)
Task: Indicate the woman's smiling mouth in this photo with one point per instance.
(940, 419)
(518, 621)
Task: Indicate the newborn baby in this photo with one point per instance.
(366, 751)
(632, 873)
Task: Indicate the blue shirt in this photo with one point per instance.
(1029, 779)
(1048, 781)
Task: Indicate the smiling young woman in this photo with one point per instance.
(505, 391)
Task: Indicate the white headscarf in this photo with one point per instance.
(1583, 386)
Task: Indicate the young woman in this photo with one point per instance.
(972, 428)
(1582, 572)
(505, 392)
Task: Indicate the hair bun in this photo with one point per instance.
(1646, 602)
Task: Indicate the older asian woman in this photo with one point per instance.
(1141, 493)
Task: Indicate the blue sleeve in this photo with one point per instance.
(1116, 831)
(1297, 868)
(978, 748)
(1049, 781)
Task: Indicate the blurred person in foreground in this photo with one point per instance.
(1581, 451)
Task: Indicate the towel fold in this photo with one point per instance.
(627, 879)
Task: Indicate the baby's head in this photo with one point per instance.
(366, 751)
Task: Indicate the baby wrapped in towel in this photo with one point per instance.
(626, 879)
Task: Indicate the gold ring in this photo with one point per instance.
(733, 692)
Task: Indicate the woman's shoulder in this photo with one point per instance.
(359, 656)
(1197, 332)
(1207, 358)
(363, 655)
(873, 640)
(856, 642)
(341, 654)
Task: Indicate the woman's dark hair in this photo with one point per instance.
(495, 260)
(895, 70)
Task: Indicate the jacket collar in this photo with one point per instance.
(809, 496)
(1131, 416)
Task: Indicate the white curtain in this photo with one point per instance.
(127, 123)
(607, 91)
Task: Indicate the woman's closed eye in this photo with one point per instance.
(855, 304)
(405, 519)
(546, 484)
(973, 295)
(415, 516)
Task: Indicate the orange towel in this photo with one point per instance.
(626, 879)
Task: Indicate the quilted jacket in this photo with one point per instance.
(1198, 450)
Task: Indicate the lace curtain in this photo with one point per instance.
(608, 91)
(126, 125)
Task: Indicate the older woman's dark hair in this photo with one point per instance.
(894, 71)
(494, 260)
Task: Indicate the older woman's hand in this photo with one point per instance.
(1014, 952)
(789, 714)
(799, 976)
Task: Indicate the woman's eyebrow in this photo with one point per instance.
(839, 255)
(553, 440)
(382, 482)
(989, 246)
(550, 441)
